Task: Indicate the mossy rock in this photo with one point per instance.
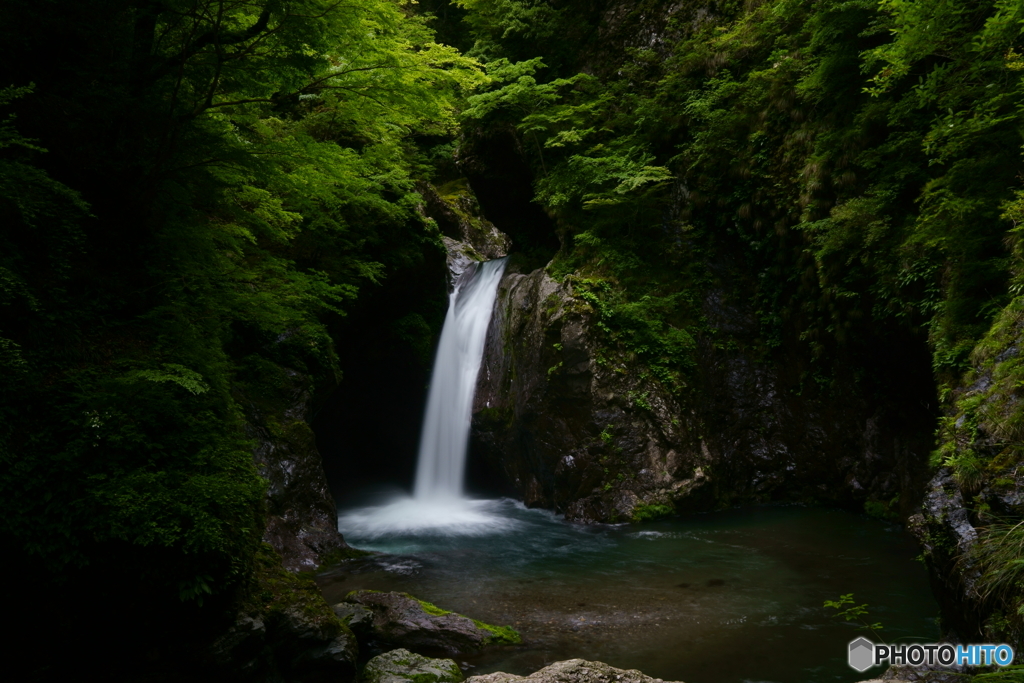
(406, 621)
(284, 625)
(402, 666)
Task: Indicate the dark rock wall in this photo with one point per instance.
(976, 497)
(302, 520)
(576, 426)
(565, 428)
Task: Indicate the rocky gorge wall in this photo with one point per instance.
(576, 425)
(969, 524)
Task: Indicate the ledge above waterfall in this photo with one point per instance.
(468, 236)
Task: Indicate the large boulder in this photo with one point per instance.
(402, 620)
(402, 666)
(570, 671)
(284, 630)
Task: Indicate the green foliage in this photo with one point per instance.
(186, 379)
(999, 553)
(230, 176)
(791, 136)
(1010, 674)
(888, 511)
(847, 610)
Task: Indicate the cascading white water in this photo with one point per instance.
(442, 456)
(438, 505)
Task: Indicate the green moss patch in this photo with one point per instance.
(644, 513)
(431, 608)
(277, 590)
(500, 635)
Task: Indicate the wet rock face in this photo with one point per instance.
(301, 515)
(773, 433)
(586, 438)
(575, 426)
(570, 671)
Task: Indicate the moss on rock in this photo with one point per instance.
(402, 666)
(500, 635)
(644, 513)
(406, 621)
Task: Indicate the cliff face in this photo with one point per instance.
(570, 431)
(302, 519)
(578, 426)
(968, 523)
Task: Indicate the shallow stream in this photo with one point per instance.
(723, 597)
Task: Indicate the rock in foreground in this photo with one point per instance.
(403, 620)
(570, 671)
(402, 666)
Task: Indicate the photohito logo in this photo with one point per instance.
(863, 654)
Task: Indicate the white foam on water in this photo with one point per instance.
(439, 516)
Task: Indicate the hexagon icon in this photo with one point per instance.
(862, 653)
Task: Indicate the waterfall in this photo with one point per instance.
(438, 506)
(442, 456)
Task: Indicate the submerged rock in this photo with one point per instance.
(571, 671)
(402, 666)
(402, 620)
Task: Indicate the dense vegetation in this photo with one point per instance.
(851, 167)
(192, 191)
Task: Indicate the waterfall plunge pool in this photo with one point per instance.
(723, 597)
